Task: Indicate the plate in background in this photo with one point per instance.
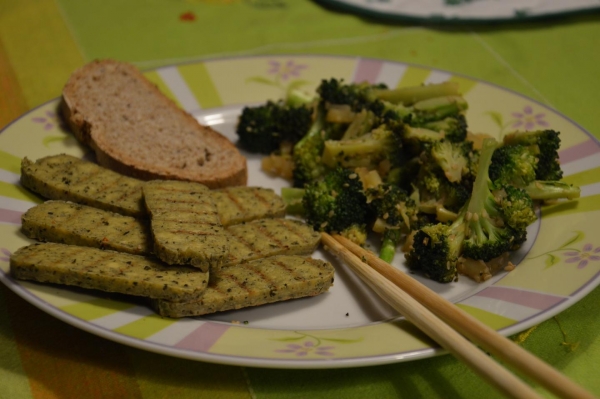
(447, 11)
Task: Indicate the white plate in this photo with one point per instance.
(444, 11)
(348, 326)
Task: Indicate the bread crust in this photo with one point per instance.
(216, 162)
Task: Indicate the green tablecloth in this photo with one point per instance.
(43, 41)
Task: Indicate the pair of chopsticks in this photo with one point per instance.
(452, 328)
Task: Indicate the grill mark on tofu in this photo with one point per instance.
(97, 264)
(92, 185)
(270, 237)
(290, 228)
(195, 233)
(171, 189)
(173, 201)
(292, 273)
(167, 211)
(174, 241)
(294, 228)
(234, 200)
(190, 222)
(86, 177)
(225, 277)
(255, 283)
(100, 174)
(239, 204)
(262, 199)
(241, 240)
(107, 271)
(74, 224)
(260, 274)
(64, 177)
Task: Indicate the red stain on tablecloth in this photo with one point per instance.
(187, 17)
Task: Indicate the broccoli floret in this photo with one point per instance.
(550, 190)
(513, 165)
(435, 250)
(263, 129)
(368, 150)
(395, 214)
(453, 128)
(519, 166)
(445, 180)
(358, 96)
(307, 152)
(335, 202)
(436, 190)
(544, 145)
(516, 207)
(484, 228)
(415, 140)
(403, 175)
(357, 233)
(452, 158)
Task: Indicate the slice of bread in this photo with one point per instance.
(135, 130)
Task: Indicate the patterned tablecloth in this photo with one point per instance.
(553, 61)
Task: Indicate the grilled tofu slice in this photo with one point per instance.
(107, 271)
(262, 281)
(185, 225)
(64, 177)
(269, 237)
(243, 204)
(74, 224)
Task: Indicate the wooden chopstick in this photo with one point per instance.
(427, 322)
(465, 324)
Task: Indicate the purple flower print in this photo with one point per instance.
(306, 348)
(528, 120)
(285, 70)
(587, 254)
(5, 255)
(48, 121)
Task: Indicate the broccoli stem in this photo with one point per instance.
(440, 107)
(292, 198)
(298, 98)
(389, 242)
(411, 95)
(549, 190)
(481, 186)
(362, 124)
(388, 250)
